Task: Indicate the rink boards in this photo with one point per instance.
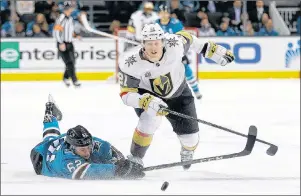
(256, 57)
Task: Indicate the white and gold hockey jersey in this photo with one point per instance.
(165, 78)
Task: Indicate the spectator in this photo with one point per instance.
(202, 15)
(264, 19)
(268, 30)
(236, 17)
(19, 26)
(37, 31)
(206, 29)
(41, 22)
(45, 7)
(239, 29)
(177, 11)
(208, 6)
(4, 5)
(235, 13)
(114, 26)
(256, 14)
(225, 30)
(55, 13)
(249, 30)
(6, 29)
(5, 11)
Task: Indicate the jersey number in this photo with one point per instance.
(73, 165)
(122, 79)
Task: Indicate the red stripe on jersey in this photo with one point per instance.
(142, 134)
(123, 93)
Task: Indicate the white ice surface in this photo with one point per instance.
(272, 105)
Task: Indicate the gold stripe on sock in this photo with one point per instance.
(191, 148)
(142, 139)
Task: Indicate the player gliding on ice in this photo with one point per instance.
(154, 76)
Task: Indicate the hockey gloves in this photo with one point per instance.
(217, 53)
(127, 169)
(116, 155)
(151, 105)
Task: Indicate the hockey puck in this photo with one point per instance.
(164, 186)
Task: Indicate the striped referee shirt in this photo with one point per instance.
(64, 29)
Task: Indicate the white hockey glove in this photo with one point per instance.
(151, 105)
(218, 54)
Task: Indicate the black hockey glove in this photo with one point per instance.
(116, 155)
(127, 169)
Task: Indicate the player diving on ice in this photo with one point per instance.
(153, 77)
(77, 154)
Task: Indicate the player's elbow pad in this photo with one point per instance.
(131, 99)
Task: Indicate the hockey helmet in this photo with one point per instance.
(79, 136)
(148, 5)
(66, 5)
(152, 32)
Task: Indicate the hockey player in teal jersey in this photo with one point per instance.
(173, 25)
(77, 154)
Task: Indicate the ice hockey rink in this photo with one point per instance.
(271, 105)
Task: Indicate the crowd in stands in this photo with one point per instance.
(212, 18)
(36, 18)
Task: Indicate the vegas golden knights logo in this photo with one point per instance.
(162, 85)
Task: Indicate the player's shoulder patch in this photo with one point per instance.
(172, 40)
(185, 36)
(100, 144)
(129, 61)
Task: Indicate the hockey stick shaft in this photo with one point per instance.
(202, 160)
(271, 151)
(247, 150)
(87, 26)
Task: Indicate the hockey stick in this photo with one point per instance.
(246, 151)
(272, 150)
(87, 26)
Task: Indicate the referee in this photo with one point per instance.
(63, 33)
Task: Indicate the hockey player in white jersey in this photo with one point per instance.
(137, 21)
(154, 76)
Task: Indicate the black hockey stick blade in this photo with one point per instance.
(251, 139)
(246, 151)
(272, 150)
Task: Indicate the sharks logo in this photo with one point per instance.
(96, 146)
(162, 85)
(292, 54)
